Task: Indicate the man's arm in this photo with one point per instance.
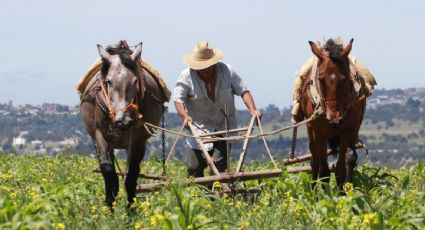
(182, 112)
(250, 104)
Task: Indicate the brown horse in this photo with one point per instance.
(331, 81)
(111, 109)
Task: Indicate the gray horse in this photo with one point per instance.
(112, 108)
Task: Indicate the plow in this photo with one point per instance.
(230, 176)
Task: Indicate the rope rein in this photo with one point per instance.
(151, 129)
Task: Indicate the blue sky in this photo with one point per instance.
(46, 45)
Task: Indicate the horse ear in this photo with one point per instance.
(137, 51)
(103, 53)
(316, 51)
(344, 53)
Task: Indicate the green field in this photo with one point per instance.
(62, 193)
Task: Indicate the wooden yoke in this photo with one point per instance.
(210, 162)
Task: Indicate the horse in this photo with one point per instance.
(343, 109)
(112, 109)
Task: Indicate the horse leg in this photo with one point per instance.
(106, 167)
(114, 178)
(324, 171)
(340, 170)
(135, 155)
(351, 158)
(315, 159)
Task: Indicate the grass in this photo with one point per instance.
(61, 192)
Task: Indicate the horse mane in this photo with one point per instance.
(334, 47)
(124, 54)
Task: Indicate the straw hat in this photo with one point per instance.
(203, 56)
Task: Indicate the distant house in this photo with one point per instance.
(19, 141)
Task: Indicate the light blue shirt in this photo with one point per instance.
(208, 115)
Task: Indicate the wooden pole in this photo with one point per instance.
(245, 144)
(223, 178)
(141, 175)
(265, 143)
(174, 144)
(149, 187)
(302, 158)
(238, 176)
(210, 162)
(307, 169)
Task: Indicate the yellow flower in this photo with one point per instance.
(44, 180)
(138, 226)
(288, 194)
(190, 226)
(153, 221)
(202, 218)
(13, 194)
(265, 202)
(145, 204)
(6, 176)
(348, 186)
(159, 216)
(370, 218)
(244, 224)
(93, 208)
(217, 184)
(58, 226)
(106, 210)
(5, 188)
(291, 199)
(167, 214)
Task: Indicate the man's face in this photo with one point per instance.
(208, 72)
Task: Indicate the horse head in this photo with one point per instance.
(121, 83)
(333, 75)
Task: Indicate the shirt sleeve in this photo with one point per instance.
(181, 91)
(238, 86)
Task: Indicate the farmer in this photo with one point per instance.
(204, 95)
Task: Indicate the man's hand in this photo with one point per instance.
(186, 120)
(256, 113)
(249, 102)
(182, 112)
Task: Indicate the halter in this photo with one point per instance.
(132, 106)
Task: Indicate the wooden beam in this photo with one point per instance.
(149, 187)
(301, 158)
(238, 176)
(210, 162)
(307, 169)
(142, 175)
(224, 177)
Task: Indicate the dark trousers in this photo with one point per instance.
(196, 162)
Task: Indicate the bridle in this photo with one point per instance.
(132, 106)
(321, 102)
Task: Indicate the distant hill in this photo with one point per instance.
(393, 130)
